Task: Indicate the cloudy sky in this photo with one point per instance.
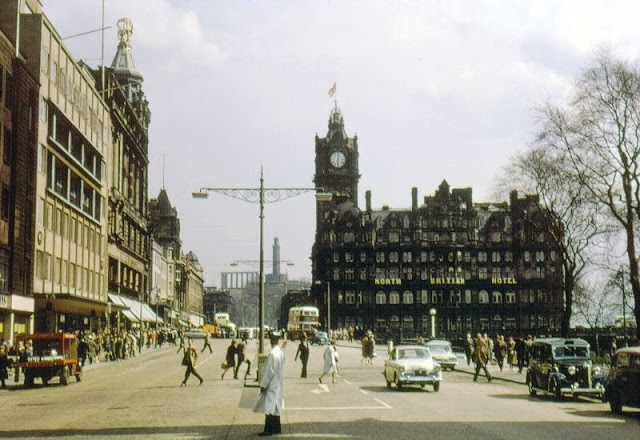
(434, 90)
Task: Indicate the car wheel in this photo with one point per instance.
(615, 402)
(28, 379)
(436, 386)
(398, 384)
(453, 368)
(555, 389)
(532, 391)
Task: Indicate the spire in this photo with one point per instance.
(336, 123)
(123, 64)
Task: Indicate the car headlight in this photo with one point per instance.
(401, 370)
(571, 370)
(597, 370)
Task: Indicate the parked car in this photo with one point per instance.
(52, 355)
(320, 338)
(412, 365)
(623, 383)
(443, 353)
(563, 366)
(195, 333)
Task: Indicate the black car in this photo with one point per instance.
(623, 383)
(563, 366)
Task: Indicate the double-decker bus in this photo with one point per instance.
(302, 319)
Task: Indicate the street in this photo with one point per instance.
(140, 398)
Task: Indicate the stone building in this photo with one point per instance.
(467, 266)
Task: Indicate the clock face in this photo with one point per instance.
(338, 159)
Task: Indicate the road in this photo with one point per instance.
(140, 398)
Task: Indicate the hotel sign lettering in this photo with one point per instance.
(503, 280)
(447, 280)
(387, 281)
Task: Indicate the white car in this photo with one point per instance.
(195, 333)
(412, 365)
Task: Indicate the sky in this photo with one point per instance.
(433, 89)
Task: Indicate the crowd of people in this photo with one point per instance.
(505, 353)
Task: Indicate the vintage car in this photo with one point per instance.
(563, 366)
(320, 338)
(412, 365)
(195, 333)
(443, 353)
(623, 382)
(52, 355)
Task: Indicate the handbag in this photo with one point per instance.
(223, 365)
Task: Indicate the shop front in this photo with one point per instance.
(16, 315)
(68, 313)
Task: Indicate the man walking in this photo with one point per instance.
(189, 361)
(270, 400)
(303, 352)
(480, 357)
(207, 342)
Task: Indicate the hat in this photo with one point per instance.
(274, 337)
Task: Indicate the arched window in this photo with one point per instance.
(496, 297)
(407, 297)
(394, 298)
(381, 298)
(483, 297)
(394, 321)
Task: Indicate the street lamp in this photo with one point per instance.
(432, 312)
(261, 195)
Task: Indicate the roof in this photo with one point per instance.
(635, 349)
(561, 341)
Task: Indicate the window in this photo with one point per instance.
(393, 257)
(406, 257)
(482, 257)
(539, 256)
(6, 203)
(483, 297)
(6, 152)
(407, 297)
(394, 298)
(424, 297)
(336, 257)
(363, 257)
(495, 256)
(510, 298)
(482, 273)
(467, 296)
(496, 298)
(394, 237)
(381, 298)
(527, 256)
(350, 297)
(348, 257)
(379, 257)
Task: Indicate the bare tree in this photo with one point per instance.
(596, 305)
(599, 132)
(567, 215)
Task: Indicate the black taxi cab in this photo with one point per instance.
(560, 366)
(623, 383)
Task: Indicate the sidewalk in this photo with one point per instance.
(507, 374)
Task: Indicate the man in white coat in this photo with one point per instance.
(271, 400)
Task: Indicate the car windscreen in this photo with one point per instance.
(437, 348)
(571, 351)
(413, 353)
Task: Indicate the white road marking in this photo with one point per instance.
(323, 389)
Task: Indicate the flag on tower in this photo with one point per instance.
(332, 90)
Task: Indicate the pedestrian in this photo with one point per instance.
(468, 348)
(500, 350)
(181, 338)
(230, 359)
(371, 348)
(329, 358)
(365, 347)
(511, 352)
(481, 356)
(303, 353)
(207, 342)
(240, 355)
(521, 350)
(270, 400)
(4, 364)
(189, 360)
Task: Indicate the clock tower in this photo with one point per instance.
(337, 161)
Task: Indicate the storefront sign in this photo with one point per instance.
(4, 300)
(387, 281)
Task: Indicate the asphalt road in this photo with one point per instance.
(140, 398)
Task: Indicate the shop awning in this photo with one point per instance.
(135, 310)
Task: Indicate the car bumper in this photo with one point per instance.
(407, 379)
(598, 389)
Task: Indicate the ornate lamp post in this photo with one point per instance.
(432, 312)
(261, 195)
